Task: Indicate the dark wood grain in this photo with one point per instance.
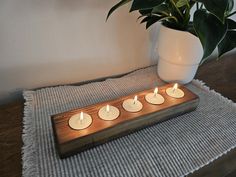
(220, 75)
(70, 141)
(10, 139)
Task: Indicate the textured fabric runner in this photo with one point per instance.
(176, 147)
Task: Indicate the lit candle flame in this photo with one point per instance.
(155, 91)
(175, 87)
(135, 99)
(107, 108)
(81, 117)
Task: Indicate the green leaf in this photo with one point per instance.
(230, 6)
(163, 9)
(145, 19)
(141, 16)
(152, 20)
(231, 24)
(182, 3)
(155, 19)
(175, 10)
(145, 11)
(209, 29)
(121, 3)
(190, 29)
(191, 3)
(145, 4)
(228, 43)
(216, 7)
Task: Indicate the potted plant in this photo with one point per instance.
(185, 42)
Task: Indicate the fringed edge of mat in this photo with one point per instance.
(202, 85)
(28, 137)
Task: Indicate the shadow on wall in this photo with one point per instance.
(53, 74)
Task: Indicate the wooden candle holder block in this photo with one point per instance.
(69, 141)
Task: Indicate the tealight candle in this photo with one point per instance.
(108, 112)
(80, 121)
(132, 105)
(175, 92)
(154, 98)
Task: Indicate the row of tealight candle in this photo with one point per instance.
(83, 120)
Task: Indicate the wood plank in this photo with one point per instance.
(220, 75)
(69, 141)
(11, 139)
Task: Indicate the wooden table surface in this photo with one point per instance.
(218, 75)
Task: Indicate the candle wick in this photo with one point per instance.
(173, 90)
(81, 120)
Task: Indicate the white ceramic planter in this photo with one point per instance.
(179, 55)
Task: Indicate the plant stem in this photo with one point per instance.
(167, 17)
(171, 17)
(177, 9)
(233, 13)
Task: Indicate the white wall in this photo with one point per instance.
(50, 42)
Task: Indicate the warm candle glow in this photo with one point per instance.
(107, 108)
(108, 112)
(132, 105)
(155, 91)
(175, 92)
(80, 121)
(135, 99)
(175, 87)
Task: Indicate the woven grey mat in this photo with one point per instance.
(173, 148)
